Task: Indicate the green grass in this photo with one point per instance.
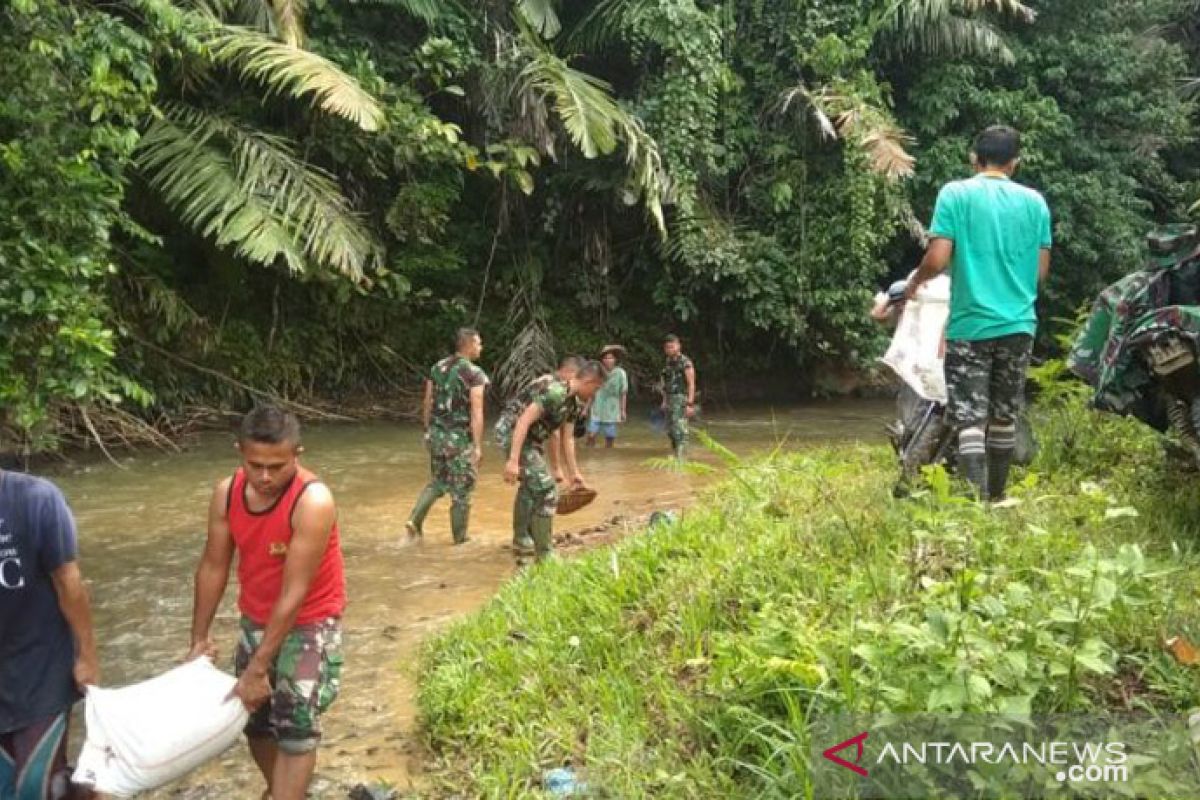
(685, 661)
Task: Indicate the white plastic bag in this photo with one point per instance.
(148, 734)
(914, 352)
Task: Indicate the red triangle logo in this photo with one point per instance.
(857, 741)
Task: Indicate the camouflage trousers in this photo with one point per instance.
(985, 379)
(537, 487)
(677, 420)
(451, 468)
(305, 680)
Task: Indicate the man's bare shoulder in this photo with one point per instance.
(316, 498)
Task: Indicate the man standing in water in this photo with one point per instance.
(282, 523)
(550, 404)
(608, 410)
(453, 416)
(47, 645)
(994, 236)
(679, 394)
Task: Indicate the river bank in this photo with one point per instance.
(105, 432)
(689, 662)
(142, 529)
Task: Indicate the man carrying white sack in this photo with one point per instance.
(47, 646)
(282, 522)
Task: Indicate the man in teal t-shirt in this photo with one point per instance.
(994, 236)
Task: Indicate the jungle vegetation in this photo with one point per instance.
(209, 201)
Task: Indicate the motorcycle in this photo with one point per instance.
(1138, 348)
(921, 435)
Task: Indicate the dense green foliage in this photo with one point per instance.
(305, 197)
(690, 660)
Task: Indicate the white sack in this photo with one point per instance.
(146, 735)
(913, 354)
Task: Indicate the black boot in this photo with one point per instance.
(972, 460)
(460, 516)
(1001, 444)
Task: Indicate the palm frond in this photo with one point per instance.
(542, 15)
(424, 10)
(290, 70)
(531, 352)
(289, 23)
(858, 122)
(953, 37)
(647, 178)
(947, 28)
(613, 22)
(248, 191)
(431, 12)
(582, 102)
(256, 14)
(924, 12)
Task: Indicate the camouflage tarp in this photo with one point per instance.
(1132, 312)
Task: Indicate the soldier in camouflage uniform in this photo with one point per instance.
(994, 236)
(546, 407)
(679, 394)
(453, 415)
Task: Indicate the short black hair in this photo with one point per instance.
(591, 369)
(270, 425)
(670, 337)
(997, 146)
(463, 337)
(571, 362)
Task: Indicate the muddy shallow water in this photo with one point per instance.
(142, 529)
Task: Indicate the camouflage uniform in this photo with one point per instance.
(305, 680)
(674, 379)
(450, 446)
(985, 379)
(537, 495)
(1142, 307)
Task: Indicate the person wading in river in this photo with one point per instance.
(994, 236)
(47, 645)
(544, 408)
(679, 394)
(282, 522)
(453, 416)
(568, 366)
(608, 409)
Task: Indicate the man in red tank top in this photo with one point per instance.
(282, 523)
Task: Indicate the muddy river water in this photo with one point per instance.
(142, 530)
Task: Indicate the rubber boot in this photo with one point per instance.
(1001, 444)
(972, 460)
(974, 468)
(460, 517)
(522, 522)
(543, 541)
(680, 450)
(416, 520)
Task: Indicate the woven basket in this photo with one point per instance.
(572, 500)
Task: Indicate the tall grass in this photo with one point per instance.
(687, 664)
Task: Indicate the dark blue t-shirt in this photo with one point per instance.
(37, 649)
